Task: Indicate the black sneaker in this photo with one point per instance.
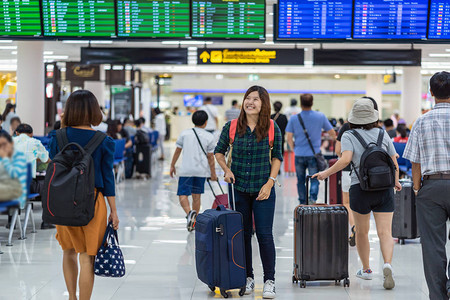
(47, 226)
(352, 238)
(191, 220)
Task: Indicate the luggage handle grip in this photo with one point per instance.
(308, 178)
(221, 207)
(210, 186)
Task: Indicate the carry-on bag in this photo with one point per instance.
(335, 187)
(320, 242)
(109, 260)
(220, 249)
(404, 222)
(143, 160)
(218, 199)
(289, 162)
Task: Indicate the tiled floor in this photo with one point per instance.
(159, 255)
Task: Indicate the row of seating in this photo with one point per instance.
(404, 165)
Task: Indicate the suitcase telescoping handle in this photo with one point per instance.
(210, 186)
(308, 178)
(232, 196)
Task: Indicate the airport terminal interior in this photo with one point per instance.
(154, 64)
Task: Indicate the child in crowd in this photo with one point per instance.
(197, 146)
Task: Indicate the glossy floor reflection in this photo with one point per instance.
(159, 255)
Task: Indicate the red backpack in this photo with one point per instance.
(232, 134)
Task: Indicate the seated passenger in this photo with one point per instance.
(197, 146)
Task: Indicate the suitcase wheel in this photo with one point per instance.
(224, 293)
(303, 284)
(212, 288)
(346, 282)
(401, 241)
(294, 280)
(337, 282)
(242, 291)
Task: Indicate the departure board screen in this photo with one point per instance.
(79, 18)
(314, 19)
(439, 22)
(20, 18)
(390, 19)
(229, 19)
(153, 18)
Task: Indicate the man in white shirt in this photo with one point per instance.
(33, 148)
(212, 112)
(197, 146)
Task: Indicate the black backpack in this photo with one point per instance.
(69, 196)
(376, 169)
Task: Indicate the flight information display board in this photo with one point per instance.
(20, 18)
(228, 19)
(439, 22)
(314, 19)
(153, 18)
(79, 18)
(390, 19)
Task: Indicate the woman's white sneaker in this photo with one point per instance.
(388, 282)
(250, 286)
(364, 274)
(269, 290)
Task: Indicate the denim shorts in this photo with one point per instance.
(363, 202)
(191, 185)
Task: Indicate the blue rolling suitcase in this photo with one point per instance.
(220, 250)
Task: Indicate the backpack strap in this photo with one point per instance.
(95, 141)
(271, 134)
(232, 132)
(61, 138)
(359, 138)
(380, 138)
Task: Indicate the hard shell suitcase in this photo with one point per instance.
(289, 162)
(320, 242)
(335, 185)
(143, 159)
(220, 249)
(404, 222)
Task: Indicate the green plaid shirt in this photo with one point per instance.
(250, 159)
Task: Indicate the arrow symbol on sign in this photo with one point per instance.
(205, 56)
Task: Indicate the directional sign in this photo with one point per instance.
(251, 56)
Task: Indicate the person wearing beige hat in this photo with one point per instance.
(363, 120)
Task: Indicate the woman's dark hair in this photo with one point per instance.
(199, 118)
(262, 128)
(138, 123)
(341, 121)
(157, 111)
(401, 128)
(82, 109)
(8, 108)
(364, 126)
(57, 125)
(440, 85)
(277, 106)
(112, 128)
(7, 136)
(24, 128)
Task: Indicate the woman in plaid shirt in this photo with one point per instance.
(254, 170)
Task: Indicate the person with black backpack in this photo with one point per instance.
(78, 179)
(374, 176)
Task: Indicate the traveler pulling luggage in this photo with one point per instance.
(335, 185)
(404, 222)
(219, 249)
(320, 242)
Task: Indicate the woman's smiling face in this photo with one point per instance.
(252, 104)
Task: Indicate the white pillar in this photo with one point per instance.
(30, 85)
(374, 89)
(411, 100)
(98, 87)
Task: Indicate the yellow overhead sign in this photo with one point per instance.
(251, 56)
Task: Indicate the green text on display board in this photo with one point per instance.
(74, 18)
(20, 18)
(153, 18)
(228, 19)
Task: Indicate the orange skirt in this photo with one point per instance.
(85, 238)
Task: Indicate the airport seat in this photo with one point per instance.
(119, 160)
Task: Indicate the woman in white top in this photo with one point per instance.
(8, 114)
(160, 126)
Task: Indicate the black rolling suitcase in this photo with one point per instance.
(404, 222)
(320, 242)
(143, 159)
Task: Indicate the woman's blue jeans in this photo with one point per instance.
(263, 211)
